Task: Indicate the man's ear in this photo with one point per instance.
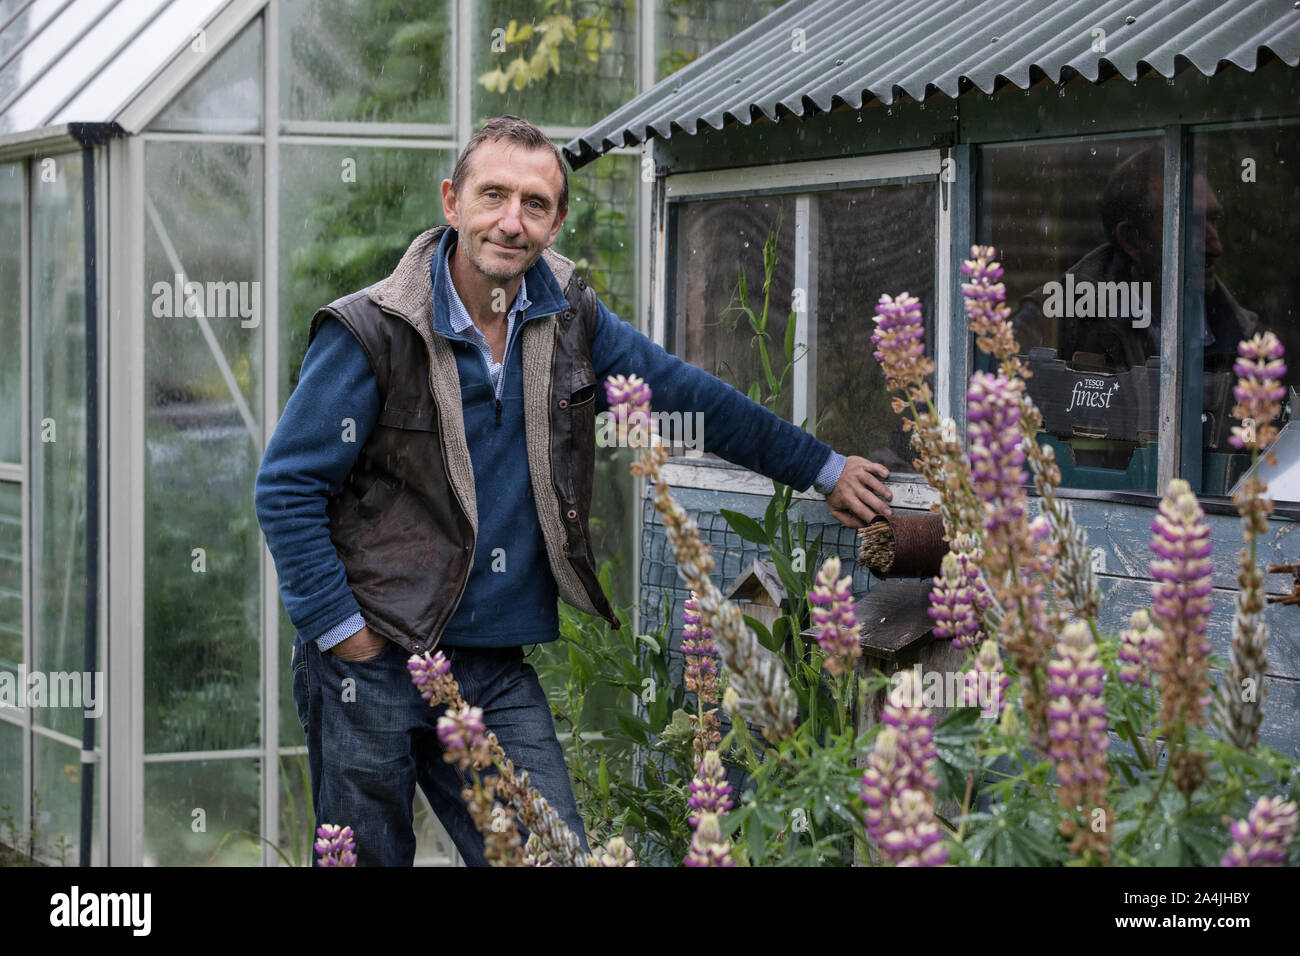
(1129, 238)
(449, 208)
(555, 227)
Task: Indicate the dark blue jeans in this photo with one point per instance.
(371, 739)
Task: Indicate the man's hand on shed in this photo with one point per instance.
(860, 494)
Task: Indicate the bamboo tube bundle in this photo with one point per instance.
(902, 546)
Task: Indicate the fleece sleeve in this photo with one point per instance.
(309, 456)
(734, 427)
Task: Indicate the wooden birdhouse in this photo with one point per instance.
(758, 592)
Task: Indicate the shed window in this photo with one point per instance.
(1078, 228)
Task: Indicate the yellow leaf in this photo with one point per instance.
(491, 79)
(525, 33)
(511, 32)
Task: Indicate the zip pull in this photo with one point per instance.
(498, 413)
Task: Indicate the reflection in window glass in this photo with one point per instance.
(11, 576)
(1078, 229)
(687, 29)
(347, 214)
(227, 96)
(566, 62)
(59, 410)
(1243, 271)
(227, 791)
(868, 242)
(374, 61)
(203, 352)
(11, 777)
(11, 357)
(719, 272)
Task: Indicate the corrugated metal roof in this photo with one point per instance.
(82, 61)
(858, 50)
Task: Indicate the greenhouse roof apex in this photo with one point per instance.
(87, 61)
(812, 56)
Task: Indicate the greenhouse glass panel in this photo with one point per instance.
(599, 234)
(1243, 278)
(719, 273)
(117, 81)
(347, 215)
(227, 96)
(687, 29)
(373, 61)
(203, 355)
(11, 782)
(11, 299)
(76, 63)
(197, 812)
(58, 417)
(297, 818)
(867, 242)
(56, 801)
(1079, 230)
(11, 576)
(566, 64)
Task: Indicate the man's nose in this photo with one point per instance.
(1213, 247)
(511, 222)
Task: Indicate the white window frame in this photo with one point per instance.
(800, 181)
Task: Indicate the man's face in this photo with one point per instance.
(507, 211)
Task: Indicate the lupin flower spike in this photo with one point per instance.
(1259, 391)
(700, 652)
(464, 738)
(335, 846)
(1139, 649)
(954, 600)
(1263, 837)
(432, 675)
(710, 792)
(1078, 729)
(900, 341)
(836, 625)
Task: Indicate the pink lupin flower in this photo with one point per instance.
(432, 675)
(954, 602)
(710, 792)
(1139, 649)
(335, 846)
(1259, 391)
(1076, 712)
(899, 782)
(708, 848)
(997, 453)
(1180, 604)
(1263, 837)
(987, 681)
(836, 625)
(464, 737)
(701, 654)
(900, 341)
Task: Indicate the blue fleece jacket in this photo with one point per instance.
(514, 603)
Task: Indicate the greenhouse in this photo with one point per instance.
(186, 182)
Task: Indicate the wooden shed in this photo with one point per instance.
(1135, 164)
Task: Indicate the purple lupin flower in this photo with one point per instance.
(335, 846)
(701, 654)
(987, 681)
(997, 453)
(432, 675)
(708, 848)
(1263, 837)
(464, 737)
(1259, 390)
(953, 602)
(900, 341)
(899, 781)
(710, 792)
(1076, 712)
(1180, 604)
(835, 624)
(1139, 649)
(986, 303)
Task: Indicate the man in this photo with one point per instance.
(1132, 219)
(429, 484)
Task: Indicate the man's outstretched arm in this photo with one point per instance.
(737, 428)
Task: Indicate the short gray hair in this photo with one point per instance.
(518, 131)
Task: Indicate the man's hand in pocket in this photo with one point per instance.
(361, 646)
